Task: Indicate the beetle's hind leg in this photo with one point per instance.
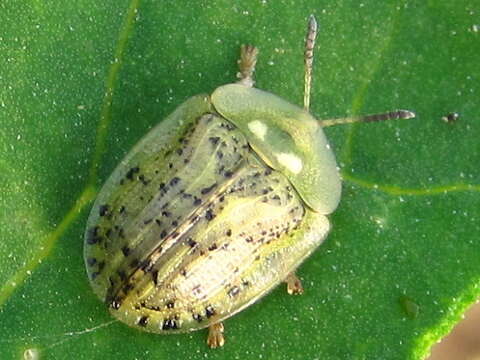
(246, 64)
(215, 335)
(294, 284)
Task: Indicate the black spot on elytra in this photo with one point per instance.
(229, 232)
(103, 210)
(165, 205)
(214, 140)
(143, 180)
(219, 154)
(92, 236)
(209, 311)
(206, 190)
(163, 234)
(132, 172)
(234, 291)
(166, 213)
(174, 181)
(197, 317)
(93, 275)
(143, 321)
(228, 174)
(194, 219)
(115, 304)
(171, 304)
(148, 221)
(212, 247)
(170, 324)
(197, 201)
(209, 215)
(125, 251)
(155, 277)
(191, 242)
(91, 261)
(179, 152)
(159, 223)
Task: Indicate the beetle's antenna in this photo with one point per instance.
(399, 114)
(309, 45)
(246, 65)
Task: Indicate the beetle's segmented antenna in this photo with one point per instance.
(309, 45)
(399, 114)
(246, 64)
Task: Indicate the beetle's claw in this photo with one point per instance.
(294, 284)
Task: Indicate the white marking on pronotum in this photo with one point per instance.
(258, 128)
(291, 161)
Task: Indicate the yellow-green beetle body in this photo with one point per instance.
(212, 209)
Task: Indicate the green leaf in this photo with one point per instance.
(82, 81)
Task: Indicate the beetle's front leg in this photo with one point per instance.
(294, 284)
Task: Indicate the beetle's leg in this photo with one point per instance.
(246, 64)
(294, 284)
(308, 58)
(215, 335)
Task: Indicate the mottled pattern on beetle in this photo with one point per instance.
(181, 245)
(156, 193)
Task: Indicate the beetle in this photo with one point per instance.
(215, 206)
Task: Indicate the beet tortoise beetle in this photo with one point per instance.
(215, 206)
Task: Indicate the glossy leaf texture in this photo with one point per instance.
(82, 81)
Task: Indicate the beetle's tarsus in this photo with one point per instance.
(215, 335)
(246, 64)
(294, 284)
